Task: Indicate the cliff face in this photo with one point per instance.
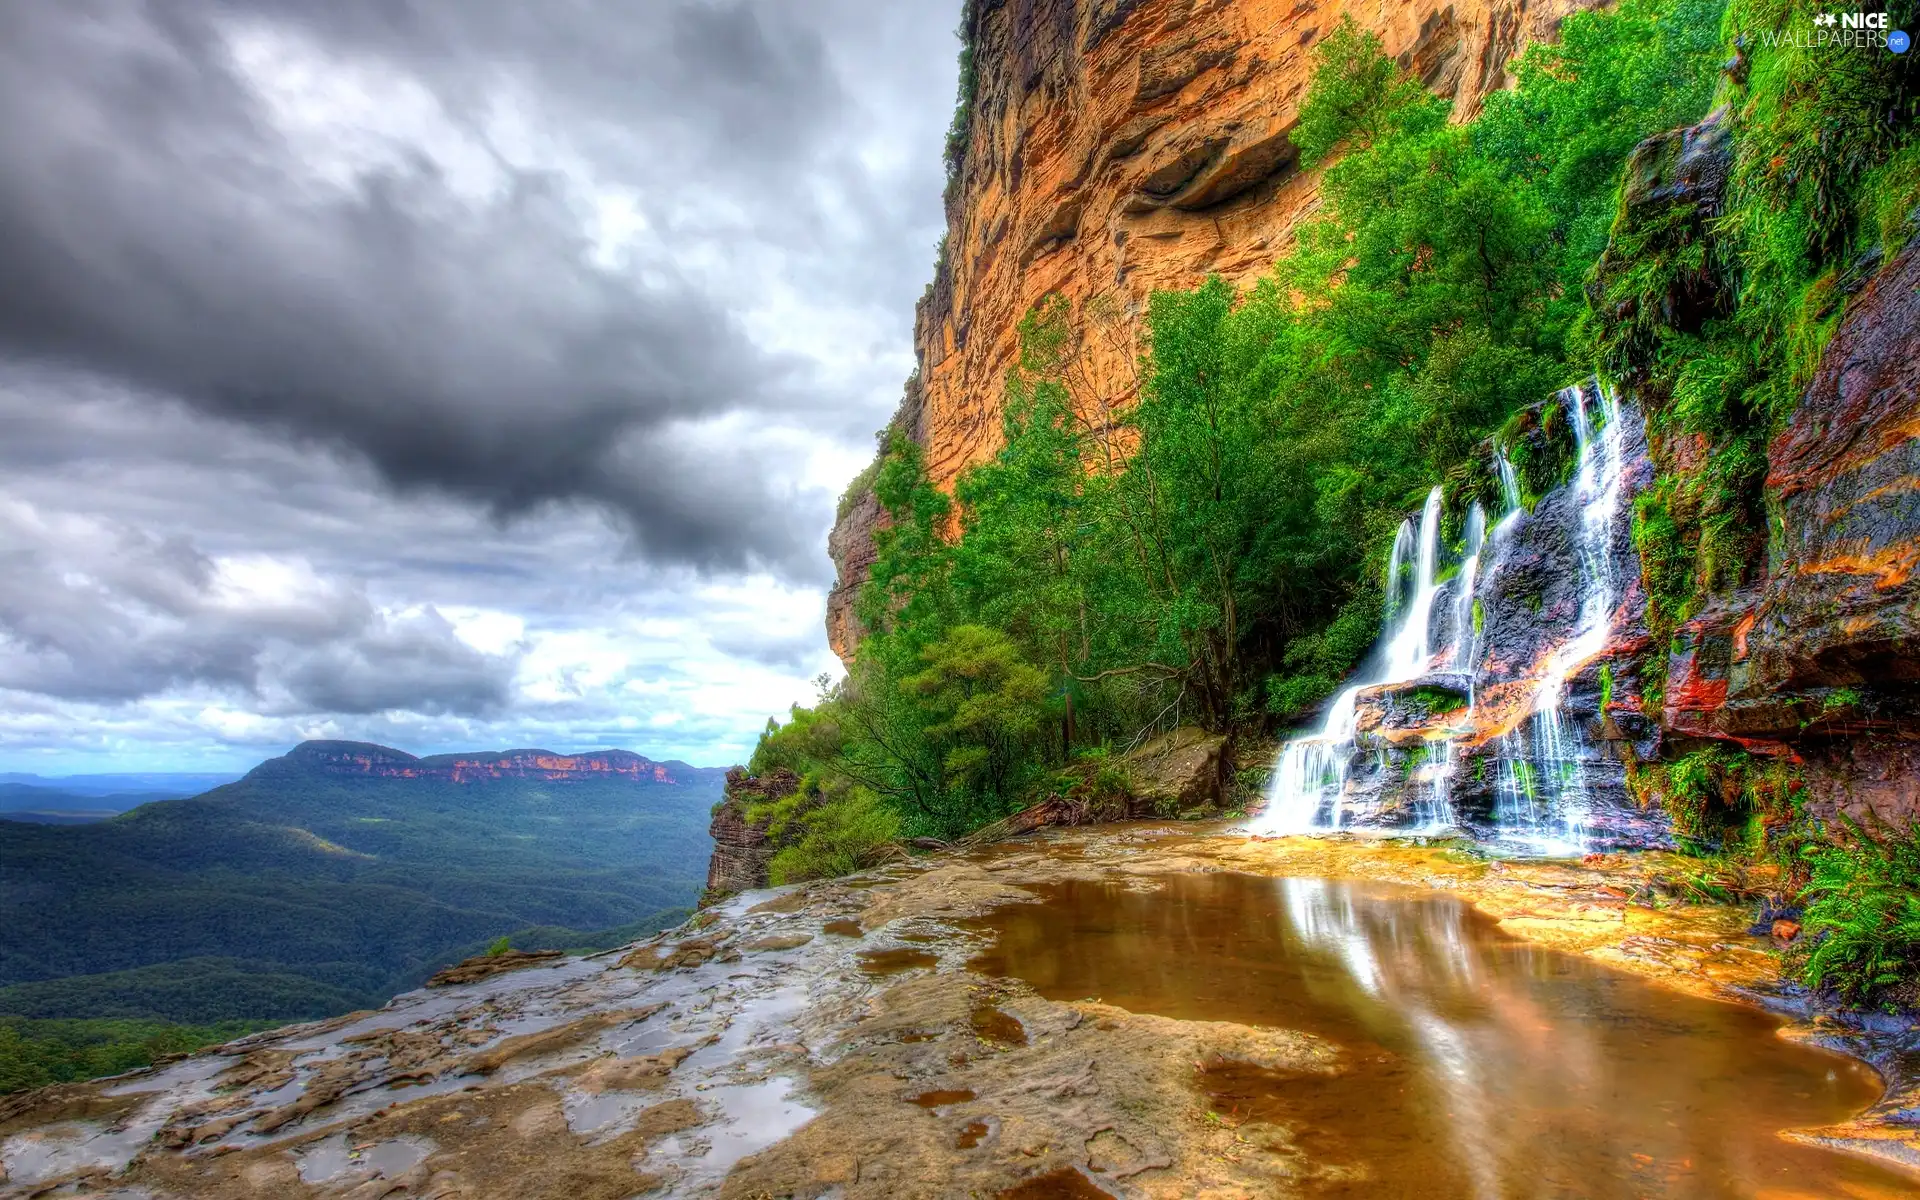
(741, 849)
(1119, 147)
(1820, 661)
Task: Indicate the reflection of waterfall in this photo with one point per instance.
(1410, 961)
(1541, 793)
(1310, 780)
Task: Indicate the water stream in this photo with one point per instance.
(1473, 1066)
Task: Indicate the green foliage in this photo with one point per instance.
(1355, 95)
(499, 946)
(1206, 546)
(1862, 918)
(1718, 307)
(1436, 699)
(837, 835)
(960, 129)
(1721, 798)
(1666, 560)
(985, 705)
(1539, 441)
(38, 1053)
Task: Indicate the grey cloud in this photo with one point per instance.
(102, 614)
(232, 332)
(158, 231)
(416, 663)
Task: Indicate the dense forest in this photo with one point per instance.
(1213, 553)
(299, 893)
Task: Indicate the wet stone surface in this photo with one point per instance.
(1129, 1011)
(1475, 1064)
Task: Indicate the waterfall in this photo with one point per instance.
(1310, 780)
(1409, 650)
(1509, 482)
(1466, 639)
(1541, 793)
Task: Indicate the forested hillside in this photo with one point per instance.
(336, 876)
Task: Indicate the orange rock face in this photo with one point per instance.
(1119, 147)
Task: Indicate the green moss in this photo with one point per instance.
(1436, 699)
(1539, 442)
(1606, 689)
(1721, 797)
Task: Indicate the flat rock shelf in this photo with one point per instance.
(1135, 1011)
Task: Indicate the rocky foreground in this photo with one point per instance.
(830, 1039)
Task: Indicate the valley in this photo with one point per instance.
(333, 877)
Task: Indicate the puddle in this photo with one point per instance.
(841, 927)
(1477, 1065)
(334, 1158)
(896, 960)
(1064, 1184)
(757, 1116)
(994, 1025)
(940, 1097)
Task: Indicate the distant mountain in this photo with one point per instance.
(165, 784)
(340, 873)
(58, 806)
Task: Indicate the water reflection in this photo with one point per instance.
(1478, 1066)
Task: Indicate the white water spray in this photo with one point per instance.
(1541, 793)
(1310, 780)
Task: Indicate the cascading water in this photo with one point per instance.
(1509, 482)
(1466, 638)
(1539, 777)
(1541, 793)
(1310, 780)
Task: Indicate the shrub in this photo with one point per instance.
(1863, 914)
(837, 836)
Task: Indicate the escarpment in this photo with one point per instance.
(1118, 147)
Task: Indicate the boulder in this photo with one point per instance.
(1652, 277)
(1178, 772)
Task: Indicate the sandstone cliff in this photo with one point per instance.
(1818, 661)
(1119, 147)
(367, 759)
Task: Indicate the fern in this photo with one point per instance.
(1863, 912)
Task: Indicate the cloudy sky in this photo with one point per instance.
(451, 374)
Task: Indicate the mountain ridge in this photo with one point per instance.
(349, 758)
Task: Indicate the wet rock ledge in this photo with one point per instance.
(831, 1039)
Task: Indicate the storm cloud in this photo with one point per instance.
(315, 218)
(456, 366)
